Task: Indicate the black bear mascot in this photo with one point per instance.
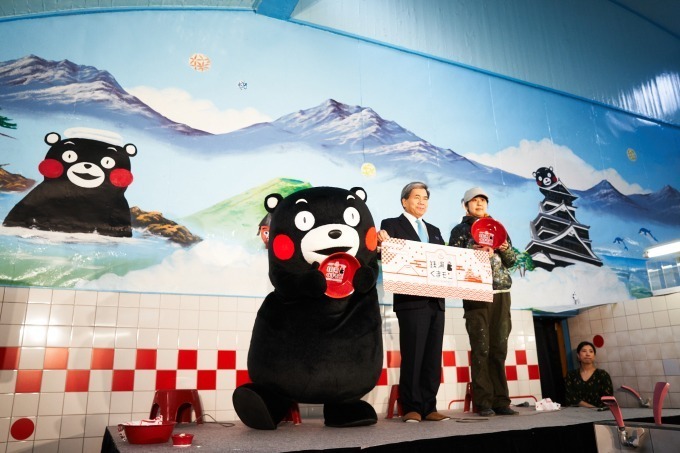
(308, 346)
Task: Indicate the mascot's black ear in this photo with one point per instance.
(271, 201)
(130, 149)
(534, 173)
(360, 192)
(52, 138)
(550, 168)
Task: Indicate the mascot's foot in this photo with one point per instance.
(252, 408)
(357, 413)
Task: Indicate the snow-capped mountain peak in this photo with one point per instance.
(332, 121)
(32, 70)
(32, 82)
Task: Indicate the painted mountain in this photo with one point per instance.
(37, 85)
(242, 212)
(342, 132)
(662, 206)
(339, 129)
(34, 84)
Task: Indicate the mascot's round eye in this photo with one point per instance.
(108, 162)
(351, 216)
(304, 220)
(69, 156)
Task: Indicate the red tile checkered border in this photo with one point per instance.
(123, 380)
(463, 371)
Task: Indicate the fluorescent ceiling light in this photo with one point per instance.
(663, 249)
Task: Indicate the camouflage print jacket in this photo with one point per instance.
(500, 261)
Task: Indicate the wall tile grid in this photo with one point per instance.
(641, 345)
(74, 362)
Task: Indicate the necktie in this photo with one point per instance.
(421, 230)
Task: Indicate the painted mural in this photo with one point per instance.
(188, 120)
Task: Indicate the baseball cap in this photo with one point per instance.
(472, 193)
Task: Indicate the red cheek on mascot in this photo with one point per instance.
(121, 177)
(51, 168)
(371, 239)
(283, 247)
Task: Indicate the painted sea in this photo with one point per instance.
(632, 272)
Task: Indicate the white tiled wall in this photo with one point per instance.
(74, 362)
(641, 344)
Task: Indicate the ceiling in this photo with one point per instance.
(665, 14)
(633, 59)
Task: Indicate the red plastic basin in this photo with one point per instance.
(148, 434)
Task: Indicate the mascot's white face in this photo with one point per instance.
(86, 174)
(324, 240)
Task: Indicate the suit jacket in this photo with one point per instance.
(401, 228)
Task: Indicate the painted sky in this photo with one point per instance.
(289, 67)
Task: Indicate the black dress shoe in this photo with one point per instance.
(505, 411)
(486, 412)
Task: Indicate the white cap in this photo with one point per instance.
(101, 135)
(472, 193)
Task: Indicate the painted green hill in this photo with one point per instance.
(240, 216)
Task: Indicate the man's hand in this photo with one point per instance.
(382, 236)
(504, 246)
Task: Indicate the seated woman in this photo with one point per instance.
(586, 385)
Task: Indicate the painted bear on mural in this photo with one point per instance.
(545, 177)
(86, 176)
(311, 344)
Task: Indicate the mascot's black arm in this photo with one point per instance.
(366, 277)
(311, 284)
(297, 286)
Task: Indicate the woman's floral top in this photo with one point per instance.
(590, 391)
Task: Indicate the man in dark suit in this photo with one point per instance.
(421, 318)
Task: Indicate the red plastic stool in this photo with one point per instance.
(176, 405)
(293, 414)
(394, 400)
(467, 406)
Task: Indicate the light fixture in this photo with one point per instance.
(663, 249)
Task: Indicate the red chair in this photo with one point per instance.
(176, 405)
(467, 406)
(293, 414)
(394, 401)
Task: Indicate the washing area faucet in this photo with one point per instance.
(660, 392)
(642, 436)
(628, 437)
(643, 402)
